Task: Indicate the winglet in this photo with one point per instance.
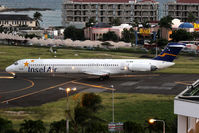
(170, 52)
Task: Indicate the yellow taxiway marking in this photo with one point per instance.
(36, 92)
(184, 82)
(32, 84)
(6, 77)
(95, 86)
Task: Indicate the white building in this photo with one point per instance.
(186, 106)
(15, 20)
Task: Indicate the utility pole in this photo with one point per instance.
(113, 108)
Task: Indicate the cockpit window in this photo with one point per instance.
(16, 63)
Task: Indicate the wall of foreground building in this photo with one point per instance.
(188, 115)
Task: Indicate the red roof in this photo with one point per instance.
(153, 1)
(188, 1)
(108, 1)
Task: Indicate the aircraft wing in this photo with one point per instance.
(98, 73)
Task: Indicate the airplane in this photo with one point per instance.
(100, 67)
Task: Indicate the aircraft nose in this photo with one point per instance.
(8, 69)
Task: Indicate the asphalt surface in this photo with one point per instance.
(34, 89)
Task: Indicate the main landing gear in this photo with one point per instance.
(104, 77)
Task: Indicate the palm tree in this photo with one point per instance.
(37, 17)
(165, 24)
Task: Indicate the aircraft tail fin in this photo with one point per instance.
(170, 52)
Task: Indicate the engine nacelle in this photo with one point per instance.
(136, 67)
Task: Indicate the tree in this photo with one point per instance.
(91, 101)
(11, 131)
(166, 22)
(195, 35)
(135, 23)
(84, 114)
(106, 45)
(146, 24)
(5, 125)
(181, 35)
(99, 127)
(58, 127)
(91, 22)
(116, 22)
(2, 29)
(110, 36)
(37, 17)
(162, 42)
(128, 35)
(31, 36)
(191, 17)
(73, 33)
(132, 127)
(30, 126)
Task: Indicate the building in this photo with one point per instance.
(96, 32)
(104, 11)
(2, 7)
(180, 9)
(14, 20)
(186, 107)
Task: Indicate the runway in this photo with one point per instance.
(37, 89)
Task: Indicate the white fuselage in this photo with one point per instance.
(88, 66)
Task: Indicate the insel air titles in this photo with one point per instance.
(42, 69)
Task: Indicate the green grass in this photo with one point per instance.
(133, 107)
(9, 54)
(184, 64)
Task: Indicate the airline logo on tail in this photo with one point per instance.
(170, 52)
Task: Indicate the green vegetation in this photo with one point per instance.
(91, 22)
(166, 22)
(128, 35)
(181, 35)
(9, 54)
(73, 33)
(191, 17)
(128, 107)
(115, 22)
(38, 18)
(110, 36)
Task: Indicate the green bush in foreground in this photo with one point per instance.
(5, 126)
(30, 126)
